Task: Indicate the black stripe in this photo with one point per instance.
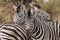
(13, 31)
(38, 31)
(41, 33)
(23, 30)
(9, 35)
(49, 34)
(35, 30)
(11, 25)
(59, 34)
(52, 36)
(7, 39)
(22, 33)
(43, 37)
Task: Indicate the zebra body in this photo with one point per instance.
(56, 27)
(38, 32)
(36, 28)
(40, 29)
(12, 32)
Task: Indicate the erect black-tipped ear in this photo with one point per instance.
(16, 8)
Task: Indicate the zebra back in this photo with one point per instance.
(11, 31)
(55, 25)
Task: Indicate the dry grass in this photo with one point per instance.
(6, 12)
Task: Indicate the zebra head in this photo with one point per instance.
(19, 16)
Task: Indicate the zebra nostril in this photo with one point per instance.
(14, 19)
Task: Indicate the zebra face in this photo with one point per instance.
(19, 16)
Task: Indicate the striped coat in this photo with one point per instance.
(11, 31)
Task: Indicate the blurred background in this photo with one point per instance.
(50, 6)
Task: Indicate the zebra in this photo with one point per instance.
(18, 32)
(56, 29)
(35, 24)
(28, 23)
(11, 31)
(43, 16)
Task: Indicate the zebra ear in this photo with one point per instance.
(15, 7)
